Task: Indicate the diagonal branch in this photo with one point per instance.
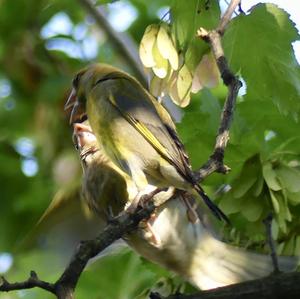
(213, 37)
(65, 286)
(227, 15)
(119, 226)
(279, 286)
(122, 43)
(32, 282)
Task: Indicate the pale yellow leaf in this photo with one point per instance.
(275, 202)
(147, 44)
(160, 68)
(166, 46)
(184, 84)
(206, 73)
(159, 87)
(173, 93)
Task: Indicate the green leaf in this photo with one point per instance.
(289, 178)
(297, 246)
(230, 205)
(284, 213)
(199, 126)
(252, 209)
(247, 178)
(258, 187)
(118, 276)
(275, 202)
(293, 198)
(243, 184)
(200, 13)
(289, 247)
(270, 177)
(265, 57)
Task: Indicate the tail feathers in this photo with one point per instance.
(214, 208)
(217, 264)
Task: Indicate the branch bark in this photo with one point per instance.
(64, 287)
(31, 282)
(213, 37)
(123, 224)
(276, 286)
(123, 44)
(279, 286)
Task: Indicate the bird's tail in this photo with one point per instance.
(189, 249)
(214, 208)
(217, 264)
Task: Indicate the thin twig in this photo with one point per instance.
(268, 222)
(32, 282)
(227, 15)
(213, 37)
(123, 44)
(64, 287)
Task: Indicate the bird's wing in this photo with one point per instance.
(136, 106)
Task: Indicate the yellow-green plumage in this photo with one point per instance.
(104, 187)
(136, 132)
(187, 248)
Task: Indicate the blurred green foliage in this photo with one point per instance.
(36, 153)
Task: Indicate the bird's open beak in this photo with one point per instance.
(77, 112)
(83, 135)
(71, 100)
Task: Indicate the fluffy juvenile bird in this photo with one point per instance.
(189, 249)
(136, 131)
(104, 187)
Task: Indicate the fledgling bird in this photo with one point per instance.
(186, 248)
(136, 132)
(104, 187)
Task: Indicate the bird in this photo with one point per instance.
(101, 179)
(135, 130)
(190, 249)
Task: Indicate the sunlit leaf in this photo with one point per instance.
(270, 177)
(161, 66)
(275, 202)
(269, 68)
(289, 177)
(183, 86)
(166, 47)
(293, 198)
(252, 209)
(147, 45)
(258, 187)
(206, 73)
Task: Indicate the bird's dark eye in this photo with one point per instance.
(75, 81)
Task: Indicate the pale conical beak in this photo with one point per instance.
(77, 112)
(71, 100)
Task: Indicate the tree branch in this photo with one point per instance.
(126, 222)
(123, 44)
(279, 286)
(64, 287)
(32, 282)
(213, 37)
(268, 224)
(227, 15)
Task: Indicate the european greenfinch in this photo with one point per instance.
(189, 249)
(135, 130)
(103, 187)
